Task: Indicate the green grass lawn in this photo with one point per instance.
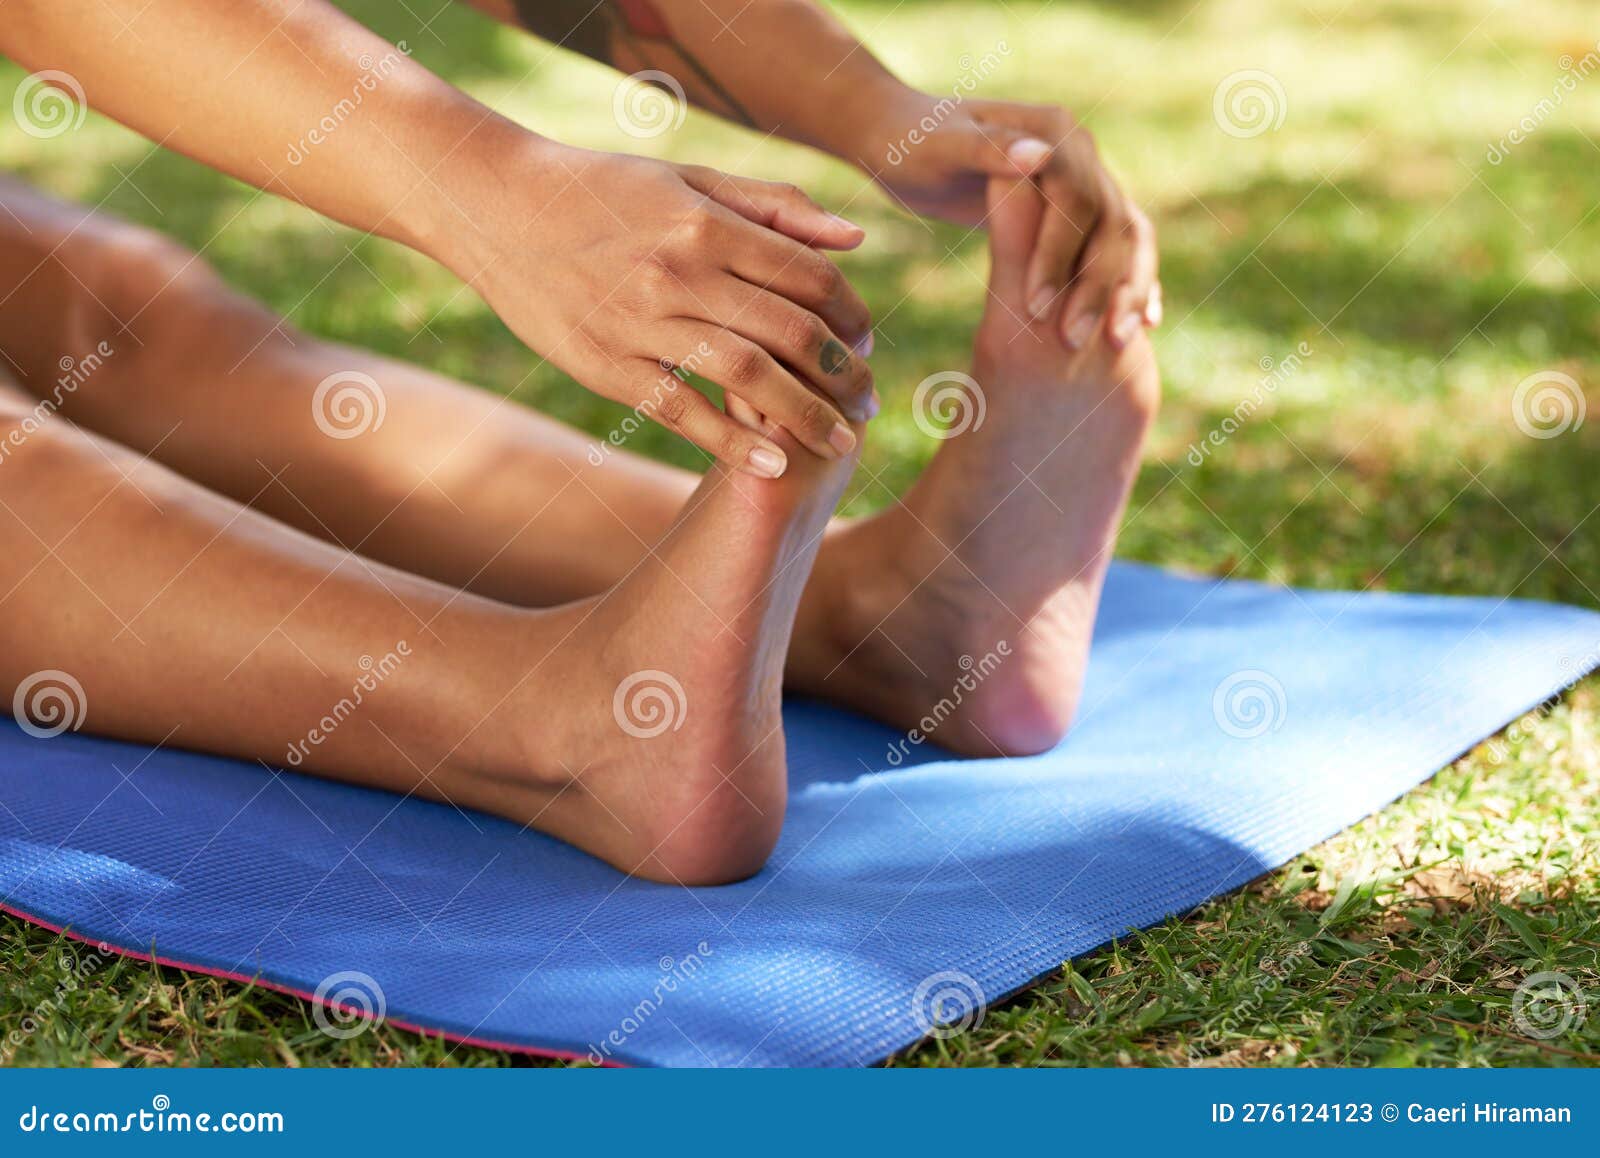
(1369, 226)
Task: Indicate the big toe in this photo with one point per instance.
(1015, 208)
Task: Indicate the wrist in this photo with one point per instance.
(878, 141)
(486, 178)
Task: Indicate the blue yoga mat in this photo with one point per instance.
(1225, 728)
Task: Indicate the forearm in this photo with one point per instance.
(294, 98)
(780, 66)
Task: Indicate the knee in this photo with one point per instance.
(23, 420)
(37, 449)
(41, 462)
(127, 269)
(156, 303)
(141, 261)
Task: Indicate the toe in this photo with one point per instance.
(1015, 208)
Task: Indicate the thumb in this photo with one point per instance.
(1015, 208)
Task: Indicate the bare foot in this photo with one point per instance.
(673, 767)
(642, 725)
(969, 606)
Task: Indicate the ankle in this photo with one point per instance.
(858, 579)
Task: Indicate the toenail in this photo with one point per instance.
(1081, 330)
(841, 439)
(1039, 304)
(767, 463)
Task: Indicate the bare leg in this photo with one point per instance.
(453, 484)
(191, 621)
(1005, 540)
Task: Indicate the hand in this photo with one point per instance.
(621, 269)
(1094, 264)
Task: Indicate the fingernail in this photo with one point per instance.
(842, 439)
(1039, 303)
(865, 344)
(873, 405)
(850, 225)
(767, 463)
(1028, 153)
(1127, 325)
(1081, 330)
(1153, 311)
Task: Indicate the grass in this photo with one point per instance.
(1427, 283)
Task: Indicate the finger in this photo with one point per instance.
(683, 409)
(1104, 264)
(778, 206)
(1124, 314)
(741, 411)
(1002, 151)
(1084, 310)
(746, 371)
(804, 277)
(1077, 195)
(1127, 311)
(1067, 221)
(800, 340)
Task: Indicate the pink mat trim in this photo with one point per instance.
(257, 982)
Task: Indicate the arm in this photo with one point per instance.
(305, 63)
(607, 265)
(788, 67)
(764, 68)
